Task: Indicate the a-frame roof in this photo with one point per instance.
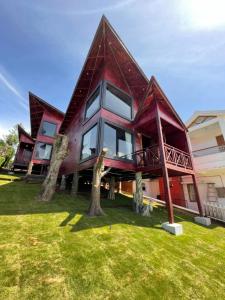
(37, 108)
(154, 92)
(21, 132)
(204, 113)
(106, 47)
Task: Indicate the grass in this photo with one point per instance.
(54, 251)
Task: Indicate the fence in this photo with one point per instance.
(215, 210)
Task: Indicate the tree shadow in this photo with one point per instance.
(18, 198)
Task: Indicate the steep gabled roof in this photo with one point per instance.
(37, 108)
(108, 48)
(204, 113)
(154, 91)
(21, 132)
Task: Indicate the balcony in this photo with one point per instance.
(209, 151)
(210, 160)
(150, 157)
(21, 162)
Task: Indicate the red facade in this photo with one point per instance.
(24, 149)
(42, 115)
(115, 106)
(159, 142)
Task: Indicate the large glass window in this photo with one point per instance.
(118, 142)
(118, 103)
(48, 129)
(89, 143)
(43, 151)
(93, 105)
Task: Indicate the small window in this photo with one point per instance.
(220, 192)
(93, 105)
(43, 151)
(118, 103)
(191, 192)
(89, 143)
(118, 141)
(48, 129)
(220, 140)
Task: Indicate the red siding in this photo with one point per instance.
(50, 117)
(176, 190)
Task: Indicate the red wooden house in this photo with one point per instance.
(24, 150)
(114, 105)
(45, 123)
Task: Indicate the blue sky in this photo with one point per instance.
(44, 44)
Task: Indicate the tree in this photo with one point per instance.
(59, 153)
(98, 172)
(8, 147)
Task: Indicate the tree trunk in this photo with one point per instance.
(95, 207)
(98, 172)
(30, 167)
(111, 194)
(60, 150)
(138, 196)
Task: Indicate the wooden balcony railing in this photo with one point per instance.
(150, 157)
(177, 157)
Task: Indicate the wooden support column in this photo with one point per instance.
(199, 203)
(120, 187)
(75, 182)
(111, 194)
(164, 168)
(63, 183)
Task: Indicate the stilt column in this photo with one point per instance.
(164, 168)
(75, 182)
(199, 203)
(63, 183)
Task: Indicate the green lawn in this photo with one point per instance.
(54, 251)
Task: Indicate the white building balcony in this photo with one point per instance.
(209, 158)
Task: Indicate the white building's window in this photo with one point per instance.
(191, 192)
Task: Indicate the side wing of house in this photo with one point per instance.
(45, 124)
(24, 150)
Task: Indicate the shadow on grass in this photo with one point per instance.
(18, 198)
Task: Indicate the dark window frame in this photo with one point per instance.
(122, 95)
(114, 125)
(45, 121)
(90, 100)
(97, 142)
(46, 159)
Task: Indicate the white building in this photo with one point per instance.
(207, 137)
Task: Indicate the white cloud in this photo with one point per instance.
(77, 11)
(21, 100)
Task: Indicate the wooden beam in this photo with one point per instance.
(199, 203)
(200, 208)
(164, 168)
